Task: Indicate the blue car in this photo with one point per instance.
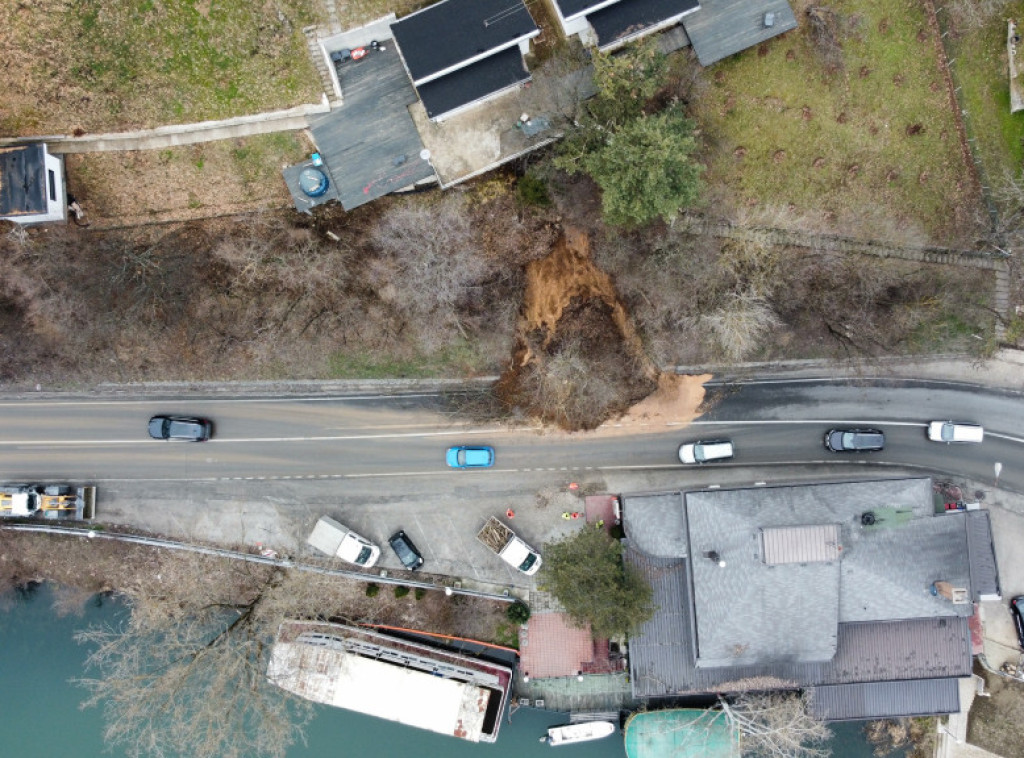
(466, 456)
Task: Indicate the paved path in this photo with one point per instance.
(288, 120)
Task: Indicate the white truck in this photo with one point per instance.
(503, 541)
(339, 541)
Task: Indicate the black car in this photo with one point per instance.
(184, 428)
(1016, 610)
(405, 550)
(854, 440)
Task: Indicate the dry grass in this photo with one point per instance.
(873, 136)
(196, 181)
(105, 65)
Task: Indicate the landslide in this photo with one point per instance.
(578, 359)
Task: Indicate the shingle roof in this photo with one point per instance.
(451, 33)
(879, 700)
(984, 571)
(631, 17)
(570, 8)
(22, 180)
(868, 616)
(474, 82)
(662, 661)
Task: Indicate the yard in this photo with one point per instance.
(111, 65)
(844, 124)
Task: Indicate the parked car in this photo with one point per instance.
(703, 451)
(955, 431)
(1016, 610)
(854, 440)
(405, 550)
(469, 456)
(184, 428)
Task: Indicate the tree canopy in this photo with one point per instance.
(588, 576)
(641, 161)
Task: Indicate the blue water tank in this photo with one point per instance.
(313, 181)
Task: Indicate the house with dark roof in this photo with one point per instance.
(31, 184)
(859, 592)
(462, 52)
(715, 28)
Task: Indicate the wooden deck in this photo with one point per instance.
(370, 144)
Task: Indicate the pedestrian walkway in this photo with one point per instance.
(163, 137)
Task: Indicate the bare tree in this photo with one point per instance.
(186, 673)
(777, 725)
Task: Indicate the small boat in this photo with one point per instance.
(582, 732)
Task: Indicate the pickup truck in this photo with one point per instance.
(502, 540)
(339, 541)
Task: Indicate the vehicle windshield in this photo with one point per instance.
(530, 560)
(364, 556)
(698, 452)
(947, 432)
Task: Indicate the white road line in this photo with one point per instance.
(215, 440)
(208, 400)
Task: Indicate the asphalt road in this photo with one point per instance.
(376, 463)
(387, 439)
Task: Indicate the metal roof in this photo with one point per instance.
(630, 18)
(473, 83)
(23, 182)
(570, 8)
(681, 733)
(880, 700)
(454, 33)
(800, 544)
(720, 28)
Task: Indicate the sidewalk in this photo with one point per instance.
(162, 137)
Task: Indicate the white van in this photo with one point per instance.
(704, 451)
(955, 431)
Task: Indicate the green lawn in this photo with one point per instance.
(868, 149)
(99, 65)
(980, 65)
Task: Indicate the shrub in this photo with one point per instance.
(372, 590)
(518, 612)
(401, 591)
(533, 191)
(420, 593)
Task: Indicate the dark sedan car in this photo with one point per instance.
(854, 440)
(406, 550)
(1016, 610)
(185, 428)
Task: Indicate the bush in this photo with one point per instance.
(518, 612)
(420, 593)
(533, 191)
(372, 590)
(401, 591)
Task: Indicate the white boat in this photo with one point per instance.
(582, 732)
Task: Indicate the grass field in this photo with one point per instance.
(103, 65)
(868, 146)
(192, 181)
(980, 67)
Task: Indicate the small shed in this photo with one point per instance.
(31, 184)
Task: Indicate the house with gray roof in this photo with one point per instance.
(715, 28)
(31, 184)
(459, 53)
(856, 591)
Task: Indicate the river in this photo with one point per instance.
(40, 717)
